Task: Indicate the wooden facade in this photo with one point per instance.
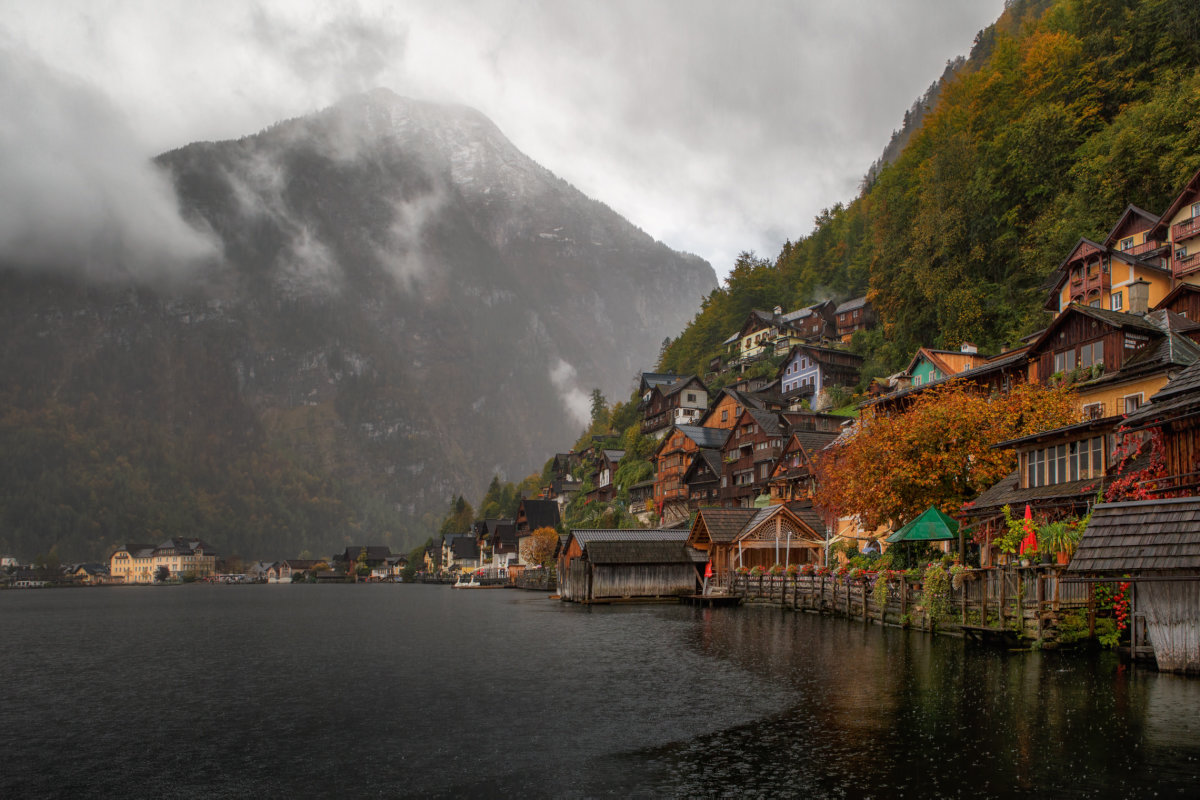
(672, 459)
(680, 403)
(738, 537)
(605, 565)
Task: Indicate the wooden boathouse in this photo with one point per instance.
(603, 566)
(1155, 546)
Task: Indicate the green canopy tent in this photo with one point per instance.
(933, 525)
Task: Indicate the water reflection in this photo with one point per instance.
(883, 713)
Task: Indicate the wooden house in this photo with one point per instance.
(749, 455)
(746, 537)
(598, 565)
(793, 478)
(1099, 276)
(671, 460)
(1155, 546)
(856, 314)
(1179, 226)
(681, 402)
(703, 479)
(929, 365)
(641, 501)
(536, 513)
(996, 374)
(809, 369)
(604, 474)
(815, 323)
(1183, 300)
(1114, 360)
(1175, 412)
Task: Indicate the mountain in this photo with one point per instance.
(1065, 112)
(406, 305)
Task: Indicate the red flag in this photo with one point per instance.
(1030, 543)
(708, 570)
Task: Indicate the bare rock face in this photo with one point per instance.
(406, 304)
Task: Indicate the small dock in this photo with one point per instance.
(712, 600)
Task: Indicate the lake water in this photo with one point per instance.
(382, 691)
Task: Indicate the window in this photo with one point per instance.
(1127, 243)
(1095, 303)
(1196, 209)
(1064, 361)
(724, 415)
(1093, 411)
(1062, 463)
(1118, 301)
(1132, 402)
(1091, 354)
(917, 380)
(691, 398)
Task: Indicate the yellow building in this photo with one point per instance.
(138, 563)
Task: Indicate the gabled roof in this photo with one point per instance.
(1146, 537)
(465, 547)
(1183, 288)
(813, 441)
(811, 520)
(1178, 399)
(705, 438)
(770, 422)
(540, 513)
(724, 524)
(850, 305)
(1130, 211)
(945, 360)
(652, 379)
(136, 550)
(1190, 189)
(680, 384)
(1115, 319)
(374, 553)
(614, 455)
(710, 458)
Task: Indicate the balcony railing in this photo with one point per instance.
(1182, 230)
(1148, 246)
(1187, 264)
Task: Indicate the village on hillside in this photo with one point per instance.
(735, 494)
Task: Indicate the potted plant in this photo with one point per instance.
(808, 569)
(792, 570)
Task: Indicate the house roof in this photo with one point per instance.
(1101, 424)
(1183, 288)
(465, 547)
(1189, 190)
(932, 525)
(770, 422)
(850, 305)
(1130, 211)
(137, 550)
(1177, 399)
(1146, 537)
(724, 524)
(614, 455)
(374, 553)
(652, 379)
(1008, 492)
(807, 513)
(540, 513)
(1116, 319)
(586, 536)
(679, 385)
(712, 458)
(705, 438)
(639, 552)
(950, 362)
(814, 441)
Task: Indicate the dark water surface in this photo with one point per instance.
(381, 691)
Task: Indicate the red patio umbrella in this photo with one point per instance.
(1029, 543)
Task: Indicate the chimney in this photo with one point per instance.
(1139, 297)
(967, 347)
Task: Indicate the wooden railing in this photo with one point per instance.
(1187, 264)
(1189, 227)
(1147, 246)
(1022, 600)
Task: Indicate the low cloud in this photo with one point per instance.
(576, 401)
(77, 191)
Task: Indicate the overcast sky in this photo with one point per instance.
(715, 126)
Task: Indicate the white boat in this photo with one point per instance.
(471, 584)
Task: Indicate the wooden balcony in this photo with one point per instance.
(1148, 246)
(1186, 265)
(1098, 281)
(1185, 229)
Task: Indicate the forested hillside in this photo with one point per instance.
(1064, 113)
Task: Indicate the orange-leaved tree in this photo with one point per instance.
(937, 452)
(541, 546)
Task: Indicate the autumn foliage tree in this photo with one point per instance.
(937, 452)
(541, 546)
